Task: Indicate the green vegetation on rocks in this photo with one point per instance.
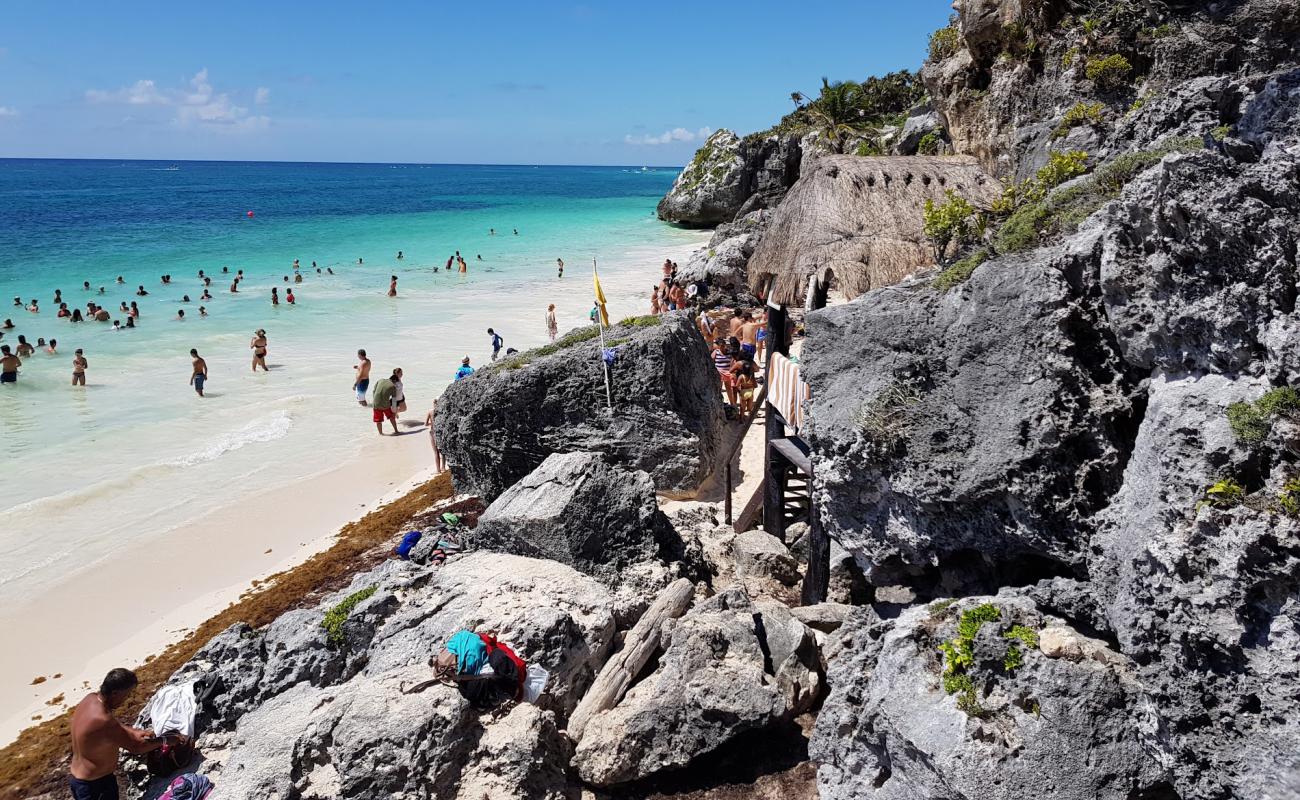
(930, 144)
(1108, 72)
(944, 43)
(961, 270)
(959, 655)
(1251, 422)
(948, 223)
(336, 616)
(1223, 494)
(1080, 114)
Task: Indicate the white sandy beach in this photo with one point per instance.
(139, 598)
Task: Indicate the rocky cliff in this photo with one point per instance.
(499, 424)
(730, 176)
(1086, 436)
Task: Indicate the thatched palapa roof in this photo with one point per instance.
(857, 221)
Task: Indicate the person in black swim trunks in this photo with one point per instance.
(9, 364)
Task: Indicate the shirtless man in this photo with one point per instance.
(9, 364)
(101, 314)
(79, 364)
(737, 323)
(258, 346)
(362, 382)
(97, 736)
(749, 334)
(24, 347)
(199, 372)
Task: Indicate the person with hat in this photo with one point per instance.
(465, 369)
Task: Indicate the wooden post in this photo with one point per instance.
(726, 502)
(774, 467)
(817, 579)
(642, 642)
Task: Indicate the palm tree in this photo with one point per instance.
(798, 99)
(838, 112)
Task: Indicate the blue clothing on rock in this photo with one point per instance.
(470, 652)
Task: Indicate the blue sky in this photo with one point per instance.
(467, 82)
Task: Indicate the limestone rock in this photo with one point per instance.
(501, 423)
(824, 617)
(713, 682)
(580, 511)
(730, 176)
(1047, 728)
(365, 722)
(759, 554)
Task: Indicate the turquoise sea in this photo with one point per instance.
(136, 454)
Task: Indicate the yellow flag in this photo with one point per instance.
(600, 299)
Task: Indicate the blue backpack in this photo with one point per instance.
(410, 540)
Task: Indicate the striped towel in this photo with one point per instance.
(786, 390)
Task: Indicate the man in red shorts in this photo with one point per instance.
(382, 404)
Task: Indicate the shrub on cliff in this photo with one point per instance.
(1108, 72)
(950, 223)
(1080, 114)
(945, 42)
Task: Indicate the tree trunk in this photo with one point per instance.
(642, 642)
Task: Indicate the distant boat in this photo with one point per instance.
(172, 168)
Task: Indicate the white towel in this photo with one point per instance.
(172, 709)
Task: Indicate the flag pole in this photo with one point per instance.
(600, 325)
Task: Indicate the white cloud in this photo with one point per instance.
(262, 96)
(667, 137)
(196, 104)
(8, 111)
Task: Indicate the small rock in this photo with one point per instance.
(759, 554)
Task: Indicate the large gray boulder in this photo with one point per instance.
(728, 667)
(293, 719)
(1066, 721)
(578, 510)
(501, 423)
(730, 176)
(976, 431)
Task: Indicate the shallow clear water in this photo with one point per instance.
(136, 453)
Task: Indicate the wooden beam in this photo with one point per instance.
(794, 450)
(641, 643)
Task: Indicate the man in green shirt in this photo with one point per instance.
(382, 405)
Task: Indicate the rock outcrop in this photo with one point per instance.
(501, 423)
(730, 176)
(580, 511)
(301, 714)
(1067, 718)
(729, 667)
(1081, 418)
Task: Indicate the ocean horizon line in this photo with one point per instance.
(8, 159)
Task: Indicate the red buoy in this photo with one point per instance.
(250, 213)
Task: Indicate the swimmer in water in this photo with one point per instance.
(288, 297)
(275, 296)
(140, 292)
(399, 255)
(203, 311)
(180, 315)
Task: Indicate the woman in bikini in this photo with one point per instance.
(259, 350)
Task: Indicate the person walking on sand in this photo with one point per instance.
(258, 346)
(382, 404)
(362, 381)
(79, 364)
(392, 286)
(97, 736)
(552, 326)
(198, 371)
(9, 364)
(497, 343)
(399, 392)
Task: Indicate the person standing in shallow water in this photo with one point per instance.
(362, 381)
(98, 736)
(79, 364)
(258, 346)
(392, 286)
(198, 372)
(559, 264)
